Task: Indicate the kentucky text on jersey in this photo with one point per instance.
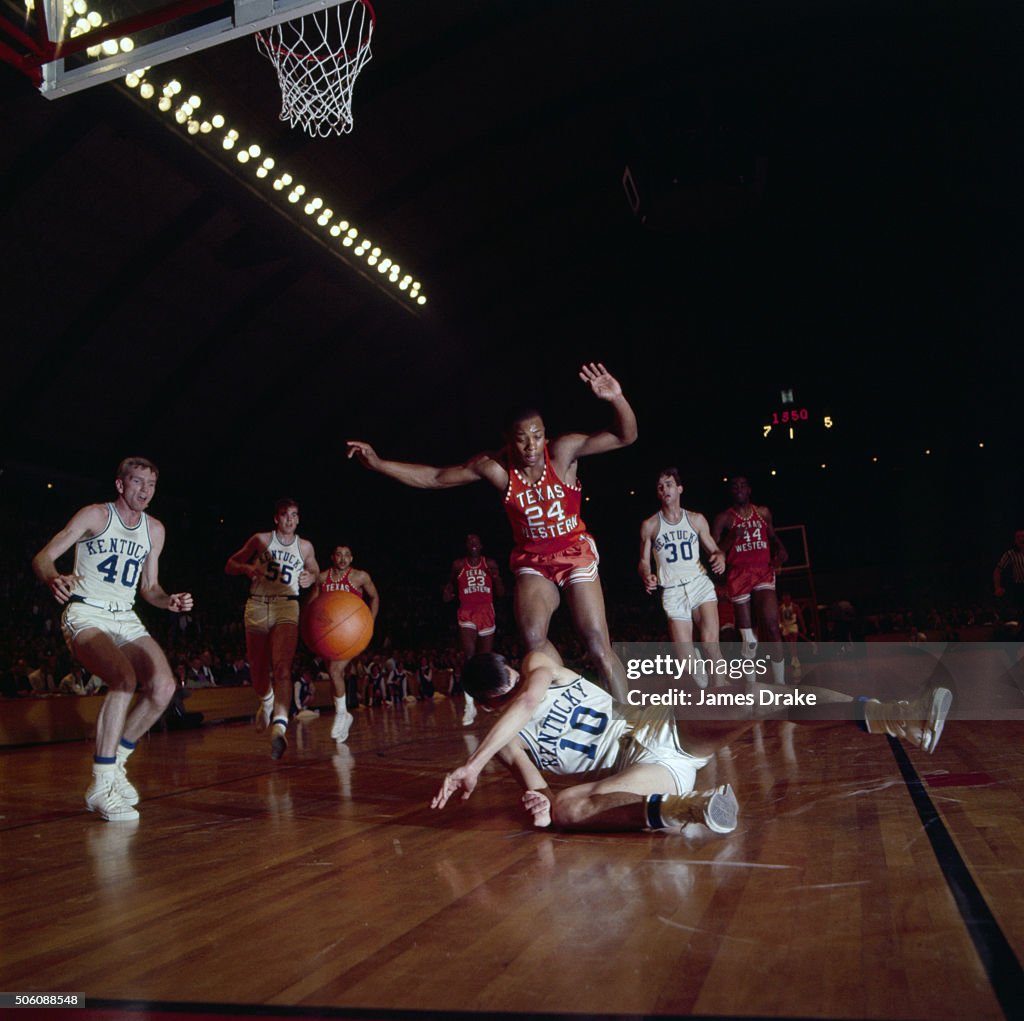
(281, 557)
(555, 723)
(675, 536)
(112, 544)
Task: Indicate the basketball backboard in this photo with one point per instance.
(68, 45)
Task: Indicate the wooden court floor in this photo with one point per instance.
(864, 881)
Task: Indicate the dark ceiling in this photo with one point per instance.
(832, 200)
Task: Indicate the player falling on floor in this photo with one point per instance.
(553, 551)
(674, 538)
(117, 554)
(474, 580)
(552, 720)
(341, 576)
(278, 565)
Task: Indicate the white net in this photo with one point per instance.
(318, 58)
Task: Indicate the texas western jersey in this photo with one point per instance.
(574, 730)
(343, 584)
(474, 586)
(545, 515)
(282, 566)
(676, 552)
(749, 548)
(109, 565)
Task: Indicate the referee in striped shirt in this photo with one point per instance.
(1008, 577)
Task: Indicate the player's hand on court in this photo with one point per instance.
(62, 586)
(717, 561)
(539, 807)
(463, 779)
(179, 602)
(601, 381)
(306, 579)
(650, 582)
(254, 572)
(363, 453)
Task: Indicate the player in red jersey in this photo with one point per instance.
(341, 576)
(553, 550)
(753, 553)
(475, 580)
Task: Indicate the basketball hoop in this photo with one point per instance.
(318, 58)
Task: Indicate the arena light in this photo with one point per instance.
(246, 152)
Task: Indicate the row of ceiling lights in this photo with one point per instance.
(186, 114)
(81, 19)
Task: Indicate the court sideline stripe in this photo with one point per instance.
(1004, 971)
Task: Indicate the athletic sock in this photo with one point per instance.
(861, 720)
(652, 811)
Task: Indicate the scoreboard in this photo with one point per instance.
(789, 418)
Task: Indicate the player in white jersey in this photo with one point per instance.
(553, 720)
(674, 537)
(278, 565)
(117, 552)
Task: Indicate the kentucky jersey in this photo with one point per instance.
(343, 584)
(545, 515)
(574, 730)
(749, 548)
(282, 566)
(474, 586)
(676, 552)
(109, 565)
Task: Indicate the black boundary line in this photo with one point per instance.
(1004, 971)
(242, 1010)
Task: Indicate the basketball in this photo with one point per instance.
(337, 625)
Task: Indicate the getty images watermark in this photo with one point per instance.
(986, 678)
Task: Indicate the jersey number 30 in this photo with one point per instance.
(684, 551)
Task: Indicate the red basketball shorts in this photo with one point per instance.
(478, 618)
(741, 582)
(570, 566)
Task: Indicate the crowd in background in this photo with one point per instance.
(207, 646)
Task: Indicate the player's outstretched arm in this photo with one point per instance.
(536, 680)
(623, 431)
(425, 476)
